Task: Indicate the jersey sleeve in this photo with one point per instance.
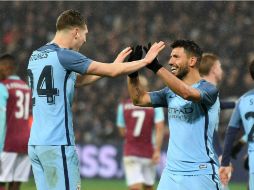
(158, 115)
(208, 92)
(235, 119)
(3, 101)
(74, 61)
(159, 98)
(120, 122)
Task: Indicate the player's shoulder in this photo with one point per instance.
(246, 96)
(205, 84)
(248, 93)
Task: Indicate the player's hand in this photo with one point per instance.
(156, 157)
(225, 174)
(136, 54)
(154, 65)
(237, 147)
(122, 55)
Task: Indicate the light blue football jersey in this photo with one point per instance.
(3, 102)
(52, 75)
(191, 124)
(243, 115)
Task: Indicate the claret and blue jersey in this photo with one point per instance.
(52, 74)
(190, 150)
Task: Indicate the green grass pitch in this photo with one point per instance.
(110, 184)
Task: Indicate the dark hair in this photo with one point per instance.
(190, 47)
(207, 62)
(251, 69)
(69, 19)
(9, 60)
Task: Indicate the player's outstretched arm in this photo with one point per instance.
(87, 79)
(138, 94)
(179, 87)
(118, 68)
(83, 80)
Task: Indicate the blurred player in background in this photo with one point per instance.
(15, 163)
(210, 69)
(136, 126)
(3, 103)
(243, 115)
(52, 72)
(193, 112)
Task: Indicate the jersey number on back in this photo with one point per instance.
(140, 115)
(250, 115)
(22, 105)
(45, 85)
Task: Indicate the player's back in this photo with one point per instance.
(52, 74)
(18, 107)
(245, 107)
(52, 88)
(139, 123)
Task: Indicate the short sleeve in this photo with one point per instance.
(209, 93)
(159, 98)
(73, 61)
(120, 122)
(3, 101)
(158, 115)
(235, 119)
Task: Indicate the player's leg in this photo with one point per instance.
(149, 173)
(251, 181)
(61, 167)
(14, 185)
(133, 173)
(169, 181)
(201, 182)
(2, 186)
(38, 172)
(7, 160)
(21, 171)
(73, 167)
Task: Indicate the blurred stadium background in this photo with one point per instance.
(223, 28)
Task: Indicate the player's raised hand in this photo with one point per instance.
(153, 51)
(225, 174)
(122, 55)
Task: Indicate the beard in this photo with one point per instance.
(182, 72)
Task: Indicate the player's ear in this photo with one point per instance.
(75, 32)
(193, 61)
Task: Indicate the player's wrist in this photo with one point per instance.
(158, 149)
(154, 67)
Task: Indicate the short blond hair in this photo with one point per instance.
(207, 62)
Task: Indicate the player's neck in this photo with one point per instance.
(62, 40)
(210, 79)
(192, 77)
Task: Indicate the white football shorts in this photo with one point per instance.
(139, 170)
(14, 167)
